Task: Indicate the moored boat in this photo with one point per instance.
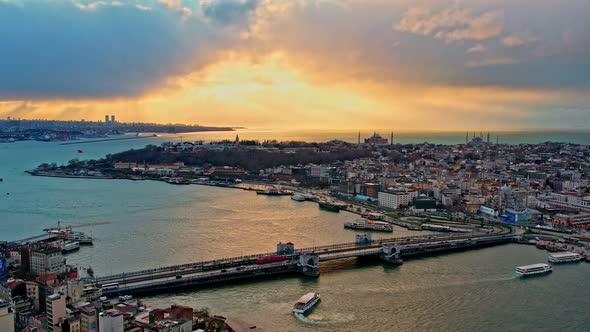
(369, 225)
(533, 269)
(305, 303)
(180, 181)
(540, 245)
(564, 257)
(70, 246)
(273, 192)
(298, 198)
(329, 206)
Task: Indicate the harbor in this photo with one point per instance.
(178, 232)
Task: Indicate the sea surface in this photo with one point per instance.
(152, 224)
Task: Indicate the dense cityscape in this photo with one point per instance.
(294, 166)
(12, 130)
(536, 192)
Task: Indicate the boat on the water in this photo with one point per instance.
(179, 181)
(70, 246)
(329, 206)
(540, 245)
(370, 225)
(298, 198)
(305, 303)
(564, 257)
(66, 246)
(69, 234)
(273, 192)
(533, 269)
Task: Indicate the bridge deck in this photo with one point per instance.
(202, 273)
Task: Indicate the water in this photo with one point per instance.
(153, 224)
(448, 137)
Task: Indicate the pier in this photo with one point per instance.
(287, 259)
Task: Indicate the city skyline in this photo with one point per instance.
(445, 65)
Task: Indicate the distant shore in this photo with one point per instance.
(108, 139)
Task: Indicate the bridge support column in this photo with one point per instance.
(391, 253)
(308, 265)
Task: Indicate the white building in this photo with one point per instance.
(6, 317)
(110, 321)
(396, 199)
(56, 311)
(46, 261)
(318, 171)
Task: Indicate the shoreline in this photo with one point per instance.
(108, 139)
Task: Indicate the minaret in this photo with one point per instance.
(466, 137)
(237, 141)
(391, 141)
(488, 137)
(359, 138)
(496, 139)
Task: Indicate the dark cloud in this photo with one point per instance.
(56, 50)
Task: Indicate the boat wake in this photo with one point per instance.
(318, 319)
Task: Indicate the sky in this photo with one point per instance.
(300, 64)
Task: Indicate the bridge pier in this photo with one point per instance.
(308, 265)
(391, 253)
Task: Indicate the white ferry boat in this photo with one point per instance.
(70, 246)
(305, 303)
(369, 225)
(533, 269)
(564, 257)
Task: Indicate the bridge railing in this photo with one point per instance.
(316, 249)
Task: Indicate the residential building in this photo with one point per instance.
(47, 261)
(394, 199)
(56, 311)
(111, 321)
(88, 319)
(71, 324)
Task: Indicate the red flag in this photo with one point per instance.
(80, 151)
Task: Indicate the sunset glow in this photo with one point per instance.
(302, 64)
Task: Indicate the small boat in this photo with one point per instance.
(305, 303)
(273, 192)
(540, 245)
(553, 247)
(533, 269)
(298, 198)
(325, 205)
(179, 181)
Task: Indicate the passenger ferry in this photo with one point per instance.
(70, 246)
(305, 303)
(533, 269)
(369, 225)
(564, 257)
(69, 234)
